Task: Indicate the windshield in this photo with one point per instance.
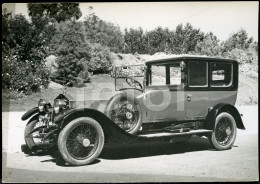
(130, 76)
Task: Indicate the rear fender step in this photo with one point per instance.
(170, 134)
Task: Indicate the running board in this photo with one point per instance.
(166, 134)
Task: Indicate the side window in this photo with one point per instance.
(175, 75)
(158, 76)
(221, 74)
(198, 74)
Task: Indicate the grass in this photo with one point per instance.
(28, 102)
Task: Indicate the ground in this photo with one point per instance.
(153, 162)
(146, 162)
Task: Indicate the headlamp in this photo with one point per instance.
(41, 104)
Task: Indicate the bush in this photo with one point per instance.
(248, 60)
(23, 53)
(101, 60)
(76, 55)
(85, 76)
(23, 77)
(10, 94)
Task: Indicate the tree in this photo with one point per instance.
(58, 11)
(73, 51)
(254, 46)
(135, 41)
(159, 40)
(237, 40)
(76, 55)
(186, 38)
(22, 56)
(208, 46)
(103, 33)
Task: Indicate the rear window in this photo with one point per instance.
(221, 74)
(175, 75)
(198, 74)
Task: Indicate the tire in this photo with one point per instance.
(76, 142)
(30, 142)
(29, 127)
(225, 132)
(134, 125)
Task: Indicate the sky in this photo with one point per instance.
(221, 18)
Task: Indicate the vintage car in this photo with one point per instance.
(170, 99)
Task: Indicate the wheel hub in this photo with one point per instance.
(129, 115)
(83, 140)
(228, 131)
(86, 142)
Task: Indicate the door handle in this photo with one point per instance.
(189, 97)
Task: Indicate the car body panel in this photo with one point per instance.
(222, 107)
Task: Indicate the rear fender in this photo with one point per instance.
(112, 131)
(29, 113)
(211, 117)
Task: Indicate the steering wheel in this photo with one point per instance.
(133, 83)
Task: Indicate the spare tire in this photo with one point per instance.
(125, 111)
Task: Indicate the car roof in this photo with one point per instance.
(188, 57)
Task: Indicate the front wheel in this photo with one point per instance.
(81, 141)
(125, 111)
(225, 132)
(34, 140)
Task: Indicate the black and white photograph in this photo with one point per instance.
(130, 92)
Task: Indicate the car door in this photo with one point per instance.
(197, 94)
(176, 88)
(157, 97)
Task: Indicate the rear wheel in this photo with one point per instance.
(81, 141)
(225, 132)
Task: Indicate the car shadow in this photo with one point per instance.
(135, 150)
(147, 149)
(55, 157)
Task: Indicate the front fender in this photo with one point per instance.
(211, 117)
(30, 113)
(112, 131)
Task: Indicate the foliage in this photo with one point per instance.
(24, 77)
(73, 51)
(6, 34)
(159, 40)
(23, 55)
(248, 60)
(76, 55)
(208, 46)
(58, 11)
(135, 41)
(101, 60)
(237, 40)
(104, 33)
(185, 39)
(254, 46)
(181, 41)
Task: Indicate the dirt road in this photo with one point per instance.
(150, 162)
